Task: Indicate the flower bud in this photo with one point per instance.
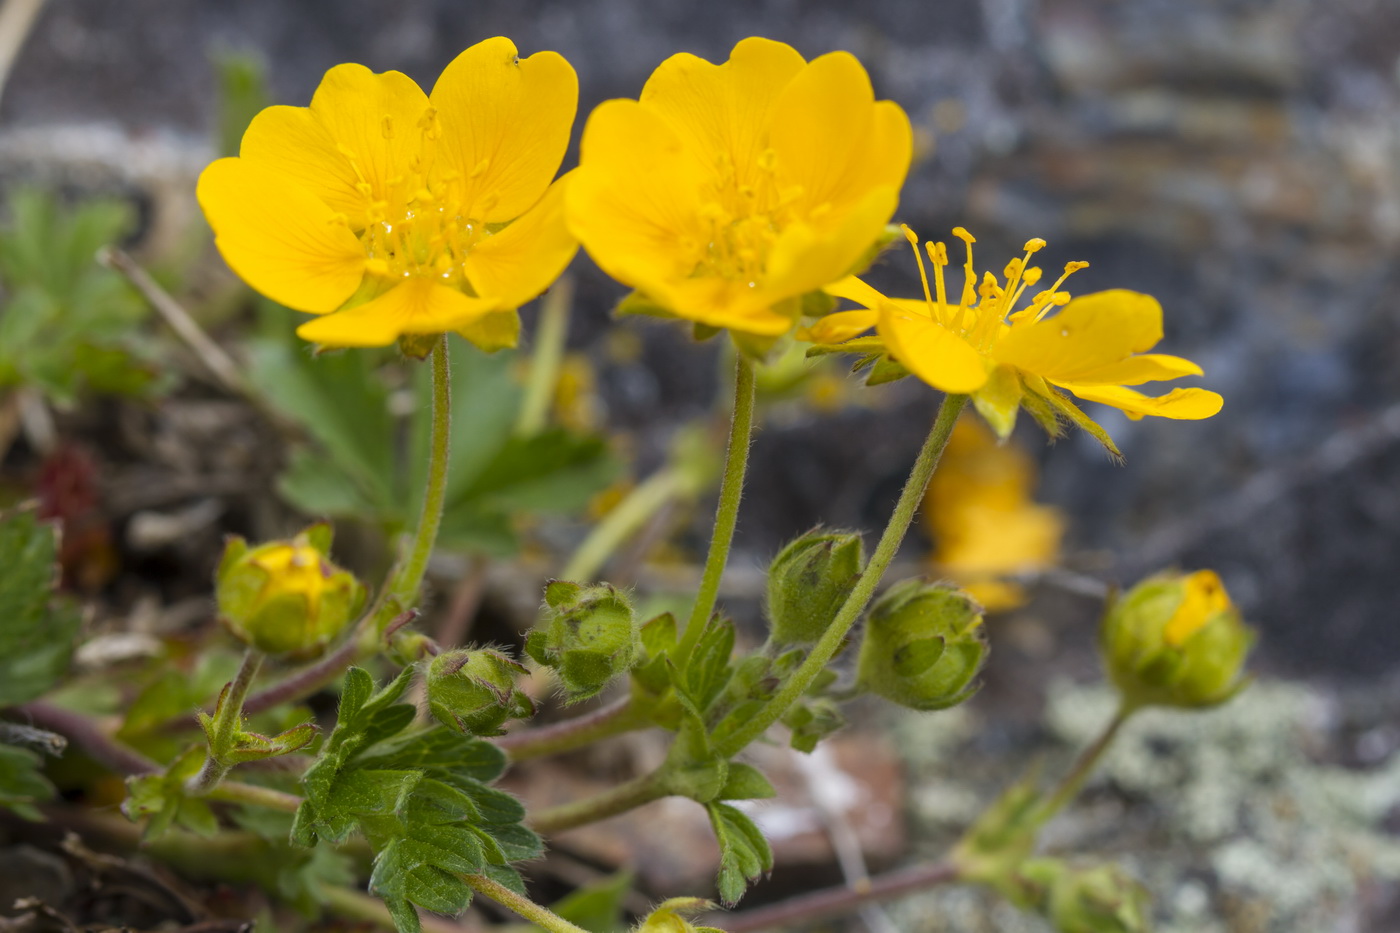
(670, 917)
(473, 691)
(1176, 640)
(587, 634)
(807, 583)
(286, 597)
(1098, 899)
(923, 646)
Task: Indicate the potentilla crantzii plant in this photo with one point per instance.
(741, 197)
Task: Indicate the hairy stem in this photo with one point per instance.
(604, 722)
(819, 906)
(731, 490)
(628, 796)
(254, 795)
(223, 732)
(860, 596)
(644, 501)
(540, 916)
(1073, 782)
(404, 586)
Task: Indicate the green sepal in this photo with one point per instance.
(745, 855)
(637, 303)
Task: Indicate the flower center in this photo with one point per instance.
(742, 218)
(983, 310)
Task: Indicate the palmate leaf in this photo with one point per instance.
(421, 799)
(36, 629)
(744, 855)
(21, 783)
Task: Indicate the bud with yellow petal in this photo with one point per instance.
(923, 646)
(1176, 640)
(807, 583)
(670, 917)
(474, 692)
(286, 597)
(587, 634)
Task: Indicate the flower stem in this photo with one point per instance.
(731, 489)
(644, 501)
(550, 336)
(403, 588)
(604, 722)
(254, 795)
(1073, 782)
(223, 733)
(860, 595)
(627, 796)
(822, 905)
(540, 916)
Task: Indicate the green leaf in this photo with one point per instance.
(744, 855)
(709, 669)
(21, 783)
(597, 907)
(745, 782)
(36, 630)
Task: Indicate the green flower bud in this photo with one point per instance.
(473, 691)
(1098, 899)
(1176, 640)
(670, 917)
(923, 646)
(807, 583)
(587, 634)
(286, 597)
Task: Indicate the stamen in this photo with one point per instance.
(1051, 298)
(918, 257)
(938, 255)
(969, 271)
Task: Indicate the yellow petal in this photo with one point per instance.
(634, 201)
(806, 258)
(723, 303)
(936, 355)
(499, 330)
(376, 121)
(723, 112)
(1135, 370)
(505, 125)
(521, 261)
(1179, 404)
(1090, 333)
(854, 289)
(281, 239)
(294, 144)
(833, 142)
(843, 325)
(415, 306)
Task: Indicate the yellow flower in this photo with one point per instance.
(984, 520)
(727, 192)
(404, 213)
(1005, 358)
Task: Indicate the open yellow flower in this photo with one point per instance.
(729, 191)
(390, 212)
(984, 519)
(1094, 346)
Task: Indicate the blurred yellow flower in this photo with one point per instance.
(727, 192)
(1094, 347)
(400, 212)
(983, 519)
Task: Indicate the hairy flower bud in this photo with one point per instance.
(587, 634)
(473, 691)
(286, 597)
(923, 646)
(670, 917)
(807, 583)
(1176, 640)
(1097, 899)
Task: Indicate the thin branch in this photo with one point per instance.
(820, 906)
(89, 736)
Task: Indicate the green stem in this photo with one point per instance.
(628, 796)
(606, 721)
(252, 794)
(1073, 782)
(860, 595)
(522, 905)
(544, 365)
(644, 501)
(223, 734)
(405, 584)
(731, 489)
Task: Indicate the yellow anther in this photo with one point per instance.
(989, 287)
(376, 267)
(913, 239)
(768, 160)
(424, 196)
(1031, 275)
(364, 188)
(938, 255)
(1034, 245)
(1073, 267)
(479, 168)
(1012, 270)
(962, 234)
